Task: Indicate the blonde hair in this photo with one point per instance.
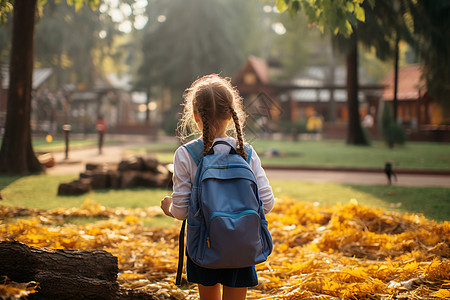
(215, 100)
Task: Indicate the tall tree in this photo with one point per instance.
(296, 53)
(190, 39)
(355, 134)
(339, 17)
(431, 23)
(182, 41)
(381, 27)
(16, 155)
(73, 41)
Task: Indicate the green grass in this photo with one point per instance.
(414, 155)
(59, 145)
(335, 153)
(432, 202)
(40, 191)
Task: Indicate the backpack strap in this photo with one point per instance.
(180, 253)
(195, 149)
(249, 151)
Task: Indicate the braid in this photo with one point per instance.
(207, 136)
(240, 139)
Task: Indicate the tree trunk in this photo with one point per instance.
(355, 134)
(396, 58)
(16, 155)
(147, 111)
(332, 81)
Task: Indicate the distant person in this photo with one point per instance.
(213, 107)
(314, 125)
(100, 126)
(367, 121)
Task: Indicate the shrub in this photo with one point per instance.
(391, 132)
(367, 135)
(288, 127)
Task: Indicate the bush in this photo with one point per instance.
(289, 127)
(367, 136)
(391, 132)
(170, 125)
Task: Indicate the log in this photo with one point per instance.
(76, 187)
(47, 160)
(150, 163)
(99, 179)
(132, 163)
(65, 274)
(68, 286)
(22, 263)
(129, 179)
(114, 179)
(95, 167)
(132, 172)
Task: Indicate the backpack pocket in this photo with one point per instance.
(266, 238)
(194, 242)
(233, 240)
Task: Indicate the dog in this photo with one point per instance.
(389, 172)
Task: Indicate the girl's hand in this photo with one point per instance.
(165, 205)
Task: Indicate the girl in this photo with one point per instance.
(214, 108)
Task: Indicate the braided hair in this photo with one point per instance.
(215, 101)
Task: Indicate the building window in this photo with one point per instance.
(249, 78)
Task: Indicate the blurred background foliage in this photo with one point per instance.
(169, 43)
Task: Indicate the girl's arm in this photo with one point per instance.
(265, 190)
(177, 205)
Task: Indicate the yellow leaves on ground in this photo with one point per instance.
(442, 294)
(345, 252)
(14, 290)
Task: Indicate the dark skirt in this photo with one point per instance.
(241, 277)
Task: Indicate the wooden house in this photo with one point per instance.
(299, 98)
(415, 106)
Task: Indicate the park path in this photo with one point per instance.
(361, 178)
(115, 153)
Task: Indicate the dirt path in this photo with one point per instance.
(115, 153)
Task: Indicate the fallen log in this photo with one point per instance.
(64, 274)
(72, 286)
(75, 187)
(21, 263)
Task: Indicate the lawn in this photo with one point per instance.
(335, 153)
(414, 155)
(59, 144)
(40, 191)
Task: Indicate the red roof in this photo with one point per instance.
(410, 85)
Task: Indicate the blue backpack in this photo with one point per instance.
(226, 224)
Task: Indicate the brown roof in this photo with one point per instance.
(39, 76)
(260, 67)
(410, 84)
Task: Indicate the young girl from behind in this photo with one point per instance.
(213, 107)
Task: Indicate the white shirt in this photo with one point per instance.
(184, 176)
